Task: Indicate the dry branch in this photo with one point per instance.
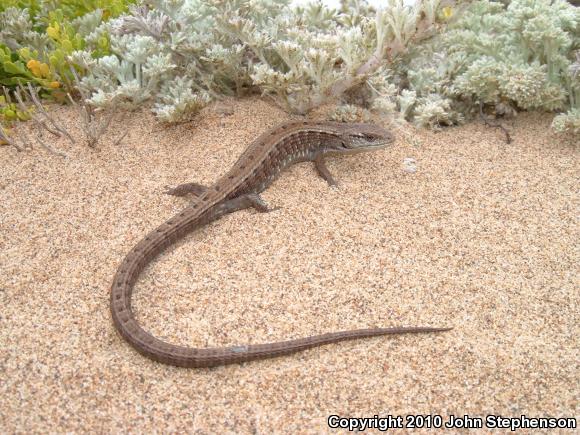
(40, 124)
(508, 138)
(10, 142)
(92, 128)
(34, 97)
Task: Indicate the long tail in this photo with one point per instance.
(195, 357)
(167, 353)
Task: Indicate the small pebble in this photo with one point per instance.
(409, 165)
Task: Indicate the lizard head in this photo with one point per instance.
(355, 138)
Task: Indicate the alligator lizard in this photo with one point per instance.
(240, 188)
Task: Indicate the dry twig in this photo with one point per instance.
(93, 129)
(10, 142)
(41, 110)
(508, 138)
(40, 118)
(39, 123)
(40, 140)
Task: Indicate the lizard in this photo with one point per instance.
(258, 166)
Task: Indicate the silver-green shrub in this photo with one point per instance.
(169, 52)
(16, 30)
(570, 121)
(498, 57)
(503, 58)
(181, 54)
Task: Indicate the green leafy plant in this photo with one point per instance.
(71, 9)
(11, 112)
(37, 39)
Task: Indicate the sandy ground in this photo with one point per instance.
(482, 237)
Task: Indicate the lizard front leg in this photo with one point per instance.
(323, 171)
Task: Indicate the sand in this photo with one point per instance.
(482, 237)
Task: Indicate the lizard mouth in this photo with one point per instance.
(360, 144)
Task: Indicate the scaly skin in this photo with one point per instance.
(254, 171)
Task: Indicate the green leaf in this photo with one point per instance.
(59, 54)
(14, 68)
(24, 53)
(9, 114)
(67, 45)
(13, 81)
(79, 42)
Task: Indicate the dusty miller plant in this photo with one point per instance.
(17, 31)
(570, 121)
(171, 53)
(504, 58)
(313, 54)
(181, 54)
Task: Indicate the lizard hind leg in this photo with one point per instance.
(258, 204)
(193, 189)
(248, 200)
